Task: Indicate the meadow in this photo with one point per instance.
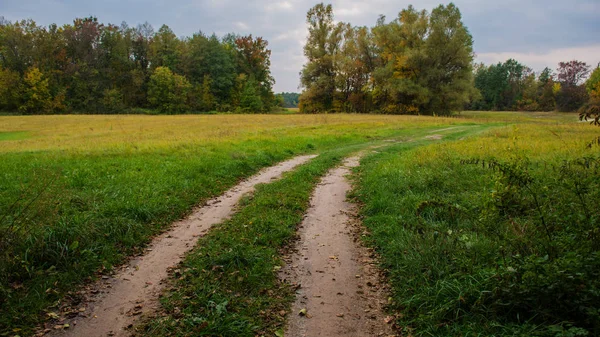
(477, 231)
(78, 194)
(495, 235)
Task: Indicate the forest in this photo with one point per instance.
(91, 67)
(418, 63)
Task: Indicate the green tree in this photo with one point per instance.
(426, 62)
(164, 49)
(591, 110)
(91, 67)
(448, 62)
(208, 98)
(10, 89)
(592, 85)
(168, 92)
(36, 95)
(501, 85)
(250, 100)
(401, 48)
(290, 99)
(529, 92)
(318, 74)
(545, 92)
(254, 61)
(353, 65)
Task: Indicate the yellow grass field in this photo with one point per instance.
(91, 133)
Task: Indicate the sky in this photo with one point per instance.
(537, 33)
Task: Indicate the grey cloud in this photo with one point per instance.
(531, 29)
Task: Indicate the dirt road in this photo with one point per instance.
(134, 290)
(339, 292)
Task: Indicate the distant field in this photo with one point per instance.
(89, 133)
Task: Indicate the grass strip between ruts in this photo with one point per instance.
(228, 285)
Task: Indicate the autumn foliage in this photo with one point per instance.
(419, 63)
(91, 67)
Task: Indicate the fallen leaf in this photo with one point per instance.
(52, 315)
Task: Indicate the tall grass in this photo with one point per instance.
(490, 236)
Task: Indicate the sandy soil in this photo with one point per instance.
(116, 302)
(339, 293)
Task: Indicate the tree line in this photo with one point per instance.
(514, 86)
(289, 99)
(90, 67)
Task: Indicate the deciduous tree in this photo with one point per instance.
(168, 91)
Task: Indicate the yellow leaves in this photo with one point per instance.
(556, 88)
(401, 67)
(53, 315)
(36, 93)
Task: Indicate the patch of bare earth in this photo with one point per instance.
(115, 303)
(338, 289)
(434, 137)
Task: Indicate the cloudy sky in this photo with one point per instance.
(537, 33)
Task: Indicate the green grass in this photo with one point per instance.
(228, 285)
(85, 192)
(17, 135)
(494, 235)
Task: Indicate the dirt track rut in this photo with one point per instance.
(134, 290)
(339, 292)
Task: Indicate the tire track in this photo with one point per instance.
(338, 289)
(134, 290)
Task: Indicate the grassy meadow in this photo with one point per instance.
(80, 193)
(495, 235)
(485, 222)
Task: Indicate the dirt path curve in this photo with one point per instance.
(338, 280)
(134, 290)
